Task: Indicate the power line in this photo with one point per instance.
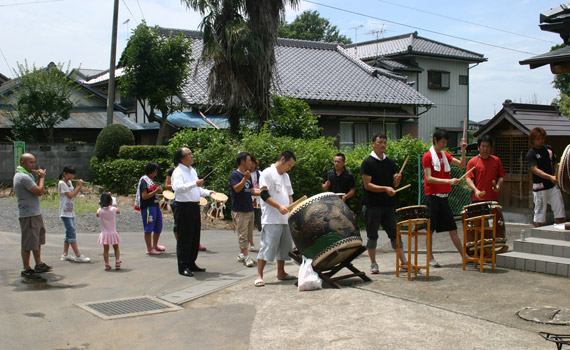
(29, 3)
(128, 9)
(419, 28)
(5, 60)
(468, 22)
(140, 8)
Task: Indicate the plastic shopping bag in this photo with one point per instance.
(308, 278)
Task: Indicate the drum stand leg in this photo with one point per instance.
(412, 232)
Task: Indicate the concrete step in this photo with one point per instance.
(534, 262)
(543, 246)
(551, 232)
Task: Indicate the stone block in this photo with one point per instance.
(541, 266)
(519, 263)
(562, 270)
(551, 268)
(547, 249)
(558, 250)
(530, 265)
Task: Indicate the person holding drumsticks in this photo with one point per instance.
(487, 178)
(188, 189)
(542, 162)
(437, 183)
(147, 201)
(379, 177)
(276, 195)
(242, 205)
(340, 180)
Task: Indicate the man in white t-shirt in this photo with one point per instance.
(276, 195)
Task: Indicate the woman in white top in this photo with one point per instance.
(67, 194)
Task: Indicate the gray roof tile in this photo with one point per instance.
(411, 44)
(315, 71)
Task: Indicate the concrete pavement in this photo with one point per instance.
(453, 309)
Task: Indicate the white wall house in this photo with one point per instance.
(438, 71)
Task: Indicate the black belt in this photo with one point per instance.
(188, 203)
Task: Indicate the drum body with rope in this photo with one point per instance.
(563, 173)
(479, 209)
(217, 206)
(323, 223)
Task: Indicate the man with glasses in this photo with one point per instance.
(188, 188)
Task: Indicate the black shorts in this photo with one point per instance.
(376, 216)
(439, 212)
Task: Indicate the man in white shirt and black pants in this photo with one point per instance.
(188, 189)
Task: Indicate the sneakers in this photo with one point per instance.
(241, 257)
(82, 259)
(252, 248)
(374, 269)
(67, 257)
(247, 261)
(43, 267)
(29, 273)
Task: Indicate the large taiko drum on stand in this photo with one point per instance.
(323, 223)
(563, 173)
(479, 209)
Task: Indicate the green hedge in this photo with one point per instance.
(110, 139)
(144, 152)
(122, 175)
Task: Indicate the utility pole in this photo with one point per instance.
(111, 86)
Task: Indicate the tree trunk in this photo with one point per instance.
(162, 129)
(233, 118)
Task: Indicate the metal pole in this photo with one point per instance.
(111, 86)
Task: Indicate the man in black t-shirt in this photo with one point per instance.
(379, 177)
(542, 162)
(340, 180)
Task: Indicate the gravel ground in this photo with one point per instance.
(128, 221)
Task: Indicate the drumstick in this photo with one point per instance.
(85, 182)
(470, 170)
(402, 168)
(295, 203)
(494, 185)
(208, 174)
(403, 188)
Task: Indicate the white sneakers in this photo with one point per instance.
(79, 259)
(82, 259)
(247, 261)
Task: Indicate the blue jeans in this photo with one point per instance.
(69, 224)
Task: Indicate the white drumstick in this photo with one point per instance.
(403, 188)
(470, 170)
(208, 174)
(402, 168)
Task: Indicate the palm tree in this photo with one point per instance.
(239, 41)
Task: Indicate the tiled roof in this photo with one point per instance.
(410, 44)
(319, 72)
(527, 116)
(559, 56)
(104, 77)
(85, 118)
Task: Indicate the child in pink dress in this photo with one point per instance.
(109, 236)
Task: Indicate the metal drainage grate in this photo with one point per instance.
(128, 307)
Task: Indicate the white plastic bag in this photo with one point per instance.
(308, 278)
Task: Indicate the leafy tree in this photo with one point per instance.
(293, 117)
(561, 81)
(156, 68)
(564, 104)
(310, 26)
(44, 99)
(239, 39)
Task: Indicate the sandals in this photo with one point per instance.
(287, 277)
(160, 248)
(259, 282)
(108, 267)
(117, 264)
(434, 264)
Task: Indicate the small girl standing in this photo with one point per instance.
(67, 194)
(109, 236)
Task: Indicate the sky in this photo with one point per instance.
(504, 31)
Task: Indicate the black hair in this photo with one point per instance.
(150, 168)
(341, 155)
(254, 159)
(106, 199)
(178, 155)
(67, 170)
(485, 138)
(379, 135)
(439, 134)
(288, 155)
(242, 156)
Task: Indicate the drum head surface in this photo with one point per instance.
(203, 201)
(563, 173)
(168, 194)
(219, 197)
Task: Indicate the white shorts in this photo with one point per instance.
(276, 242)
(552, 196)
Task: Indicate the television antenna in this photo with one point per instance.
(356, 38)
